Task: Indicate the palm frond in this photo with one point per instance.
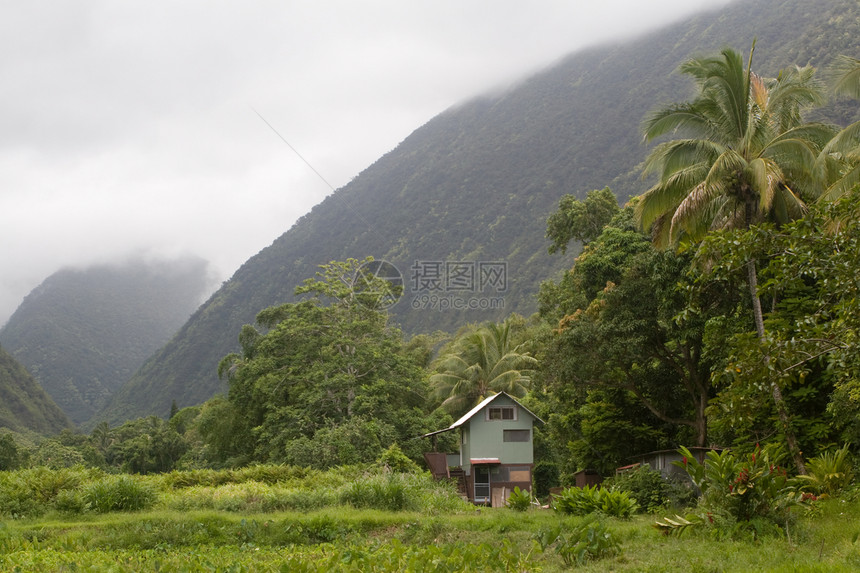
(667, 195)
(848, 181)
(846, 72)
(787, 205)
(673, 119)
(764, 176)
(694, 216)
(845, 141)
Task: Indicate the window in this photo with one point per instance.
(516, 435)
(501, 413)
(507, 474)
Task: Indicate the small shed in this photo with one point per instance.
(496, 450)
(661, 461)
(587, 477)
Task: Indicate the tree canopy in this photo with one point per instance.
(328, 381)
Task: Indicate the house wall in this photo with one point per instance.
(465, 448)
(485, 438)
(502, 482)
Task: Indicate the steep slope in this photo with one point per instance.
(24, 406)
(83, 332)
(476, 183)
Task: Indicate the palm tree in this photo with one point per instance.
(482, 362)
(748, 157)
(839, 161)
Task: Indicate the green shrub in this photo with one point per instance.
(590, 499)
(16, 497)
(647, 486)
(46, 483)
(272, 474)
(829, 472)
(267, 474)
(119, 493)
(519, 500)
(546, 476)
(70, 501)
(741, 494)
(395, 460)
(589, 540)
(387, 492)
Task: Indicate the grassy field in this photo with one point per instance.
(291, 520)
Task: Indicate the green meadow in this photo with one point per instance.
(280, 518)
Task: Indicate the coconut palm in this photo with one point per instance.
(747, 157)
(480, 363)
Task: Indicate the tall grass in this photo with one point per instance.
(119, 493)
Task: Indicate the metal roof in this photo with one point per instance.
(485, 402)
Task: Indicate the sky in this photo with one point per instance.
(155, 128)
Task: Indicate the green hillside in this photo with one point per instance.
(476, 184)
(24, 406)
(82, 333)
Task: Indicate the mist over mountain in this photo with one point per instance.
(472, 188)
(83, 332)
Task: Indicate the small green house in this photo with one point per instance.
(496, 450)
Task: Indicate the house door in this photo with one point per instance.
(482, 484)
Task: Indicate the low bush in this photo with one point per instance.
(587, 541)
(119, 493)
(387, 492)
(402, 492)
(268, 474)
(16, 497)
(590, 499)
(519, 500)
(741, 495)
(829, 472)
(46, 483)
(70, 502)
(647, 486)
(250, 497)
(395, 460)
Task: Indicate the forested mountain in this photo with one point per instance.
(83, 332)
(24, 405)
(476, 184)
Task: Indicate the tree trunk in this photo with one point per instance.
(778, 400)
(702, 422)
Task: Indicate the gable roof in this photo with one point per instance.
(484, 403)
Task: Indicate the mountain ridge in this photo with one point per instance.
(476, 182)
(24, 406)
(84, 331)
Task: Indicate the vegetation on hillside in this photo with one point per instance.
(24, 405)
(82, 333)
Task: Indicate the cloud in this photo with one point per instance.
(129, 126)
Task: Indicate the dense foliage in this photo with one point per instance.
(627, 370)
(329, 381)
